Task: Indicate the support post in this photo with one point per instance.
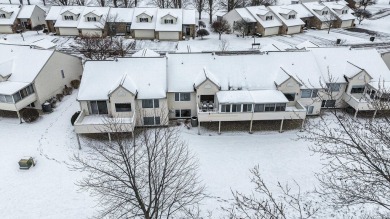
(250, 127)
(373, 117)
(219, 127)
(356, 112)
(20, 118)
(78, 141)
(281, 126)
(109, 137)
(303, 124)
(198, 127)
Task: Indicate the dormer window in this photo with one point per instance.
(291, 16)
(344, 11)
(324, 12)
(91, 19)
(268, 18)
(143, 19)
(168, 21)
(68, 18)
(2, 15)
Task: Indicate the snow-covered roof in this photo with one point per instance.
(27, 10)
(145, 53)
(53, 13)
(146, 75)
(189, 16)
(176, 13)
(333, 6)
(204, 75)
(306, 44)
(152, 12)
(20, 75)
(245, 14)
(283, 10)
(76, 10)
(14, 9)
(340, 62)
(258, 11)
(315, 8)
(121, 15)
(302, 12)
(101, 12)
(276, 46)
(254, 72)
(254, 96)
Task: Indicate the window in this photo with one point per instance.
(152, 103)
(2, 99)
(225, 108)
(269, 107)
(236, 108)
(268, 18)
(357, 89)
(62, 74)
(309, 93)
(152, 120)
(168, 21)
(280, 107)
(8, 99)
(98, 107)
(2, 15)
(91, 18)
(334, 87)
(142, 19)
(344, 11)
(259, 107)
(309, 109)
(182, 96)
(67, 17)
(183, 113)
(324, 12)
(17, 97)
(291, 16)
(290, 97)
(123, 107)
(246, 107)
(328, 103)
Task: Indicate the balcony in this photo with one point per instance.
(213, 115)
(20, 104)
(102, 124)
(358, 101)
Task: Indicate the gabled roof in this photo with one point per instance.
(351, 70)
(27, 10)
(279, 10)
(315, 7)
(144, 76)
(204, 75)
(189, 16)
(53, 13)
(16, 62)
(151, 12)
(338, 6)
(102, 12)
(262, 10)
(176, 13)
(121, 15)
(245, 14)
(14, 9)
(77, 10)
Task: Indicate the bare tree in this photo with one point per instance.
(211, 8)
(224, 45)
(242, 26)
(263, 204)
(263, 2)
(220, 27)
(151, 175)
(362, 14)
(199, 5)
(122, 47)
(329, 20)
(357, 171)
(364, 3)
(94, 47)
(60, 2)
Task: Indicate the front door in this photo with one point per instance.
(188, 31)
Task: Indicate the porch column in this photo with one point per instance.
(219, 127)
(198, 127)
(20, 118)
(303, 124)
(250, 127)
(356, 112)
(78, 141)
(373, 117)
(109, 137)
(281, 126)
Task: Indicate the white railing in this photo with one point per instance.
(357, 104)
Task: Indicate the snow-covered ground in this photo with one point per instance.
(48, 190)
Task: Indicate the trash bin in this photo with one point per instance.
(194, 121)
(372, 39)
(338, 41)
(46, 107)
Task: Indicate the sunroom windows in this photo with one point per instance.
(238, 108)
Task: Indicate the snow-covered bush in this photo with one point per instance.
(75, 84)
(30, 115)
(59, 97)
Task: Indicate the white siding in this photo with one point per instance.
(144, 34)
(271, 31)
(89, 32)
(232, 17)
(38, 17)
(5, 29)
(69, 31)
(168, 35)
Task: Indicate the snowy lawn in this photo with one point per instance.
(48, 190)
